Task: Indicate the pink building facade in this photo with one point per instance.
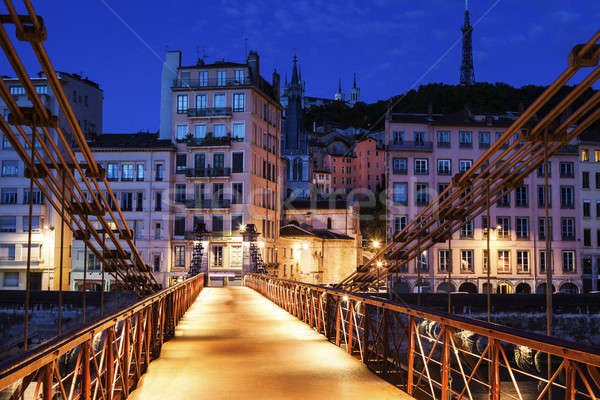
(424, 152)
(225, 120)
(369, 164)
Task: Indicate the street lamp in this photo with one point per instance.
(376, 244)
(379, 265)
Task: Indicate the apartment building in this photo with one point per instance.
(137, 166)
(369, 164)
(424, 152)
(225, 121)
(86, 99)
(589, 186)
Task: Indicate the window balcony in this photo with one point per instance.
(466, 145)
(443, 145)
(208, 172)
(212, 141)
(411, 146)
(207, 204)
(484, 145)
(210, 83)
(209, 112)
(400, 171)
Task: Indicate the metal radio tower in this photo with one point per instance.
(467, 72)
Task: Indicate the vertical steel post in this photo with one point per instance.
(62, 240)
(85, 373)
(48, 375)
(549, 262)
(489, 253)
(446, 363)
(449, 272)
(28, 271)
(411, 355)
(418, 264)
(110, 362)
(365, 337)
(495, 357)
(83, 300)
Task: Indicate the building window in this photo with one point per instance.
(182, 132)
(220, 100)
(35, 226)
(503, 261)
(219, 130)
(423, 261)
(237, 162)
(542, 228)
(217, 223)
(127, 172)
(444, 167)
(465, 139)
(541, 197)
(586, 208)
(179, 226)
(400, 222)
(485, 261)
(140, 202)
(464, 165)
(568, 259)
(8, 223)
(543, 260)
(126, 201)
(11, 279)
(504, 200)
(400, 193)
(156, 262)
(181, 163)
(217, 256)
(182, 103)
(238, 193)
(238, 102)
(466, 230)
(139, 172)
(238, 131)
(466, 261)
(158, 201)
(585, 155)
(203, 78)
(421, 166)
(400, 166)
(567, 228)
(201, 101)
(503, 231)
(240, 76)
(112, 171)
(445, 260)
(587, 237)
(398, 137)
(567, 197)
(443, 138)
(10, 168)
(585, 180)
(484, 140)
(9, 196)
(180, 193)
(221, 78)
(38, 197)
(180, 256)
(421, 194)
(522, 227)
(157, 231)
(597, 180)
(159, 172)
(522, 196)
(522, 261)
(596, 155)
(567, 169)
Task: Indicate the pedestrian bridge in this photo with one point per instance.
(276, 338)
(235, 344)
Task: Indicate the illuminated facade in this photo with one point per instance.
(424, 152)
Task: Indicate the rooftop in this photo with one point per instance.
(317, 204)
(130, 141)
(460, 118)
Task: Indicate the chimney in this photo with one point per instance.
(276, 85)
(168, 75)
(253, 66)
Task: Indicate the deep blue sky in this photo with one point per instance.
(390, 44)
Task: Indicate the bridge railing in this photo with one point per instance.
(432, 354)
(104, 360)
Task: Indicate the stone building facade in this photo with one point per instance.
(425, 151)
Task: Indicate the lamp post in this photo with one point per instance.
(379, 266)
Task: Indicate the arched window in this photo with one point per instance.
(297, 169)
(329, 224)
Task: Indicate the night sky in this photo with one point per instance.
(392, 45)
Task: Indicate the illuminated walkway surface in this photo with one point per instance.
(235, 344)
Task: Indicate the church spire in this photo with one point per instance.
(295, 71)
(467, 71)
(340, 86)
(354, 85)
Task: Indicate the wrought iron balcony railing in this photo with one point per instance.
(208, 203)
(411, 146)
(207, 112)
(210, 83)
(212, 141)
(207, 172)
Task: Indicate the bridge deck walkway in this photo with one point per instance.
(233, 343)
